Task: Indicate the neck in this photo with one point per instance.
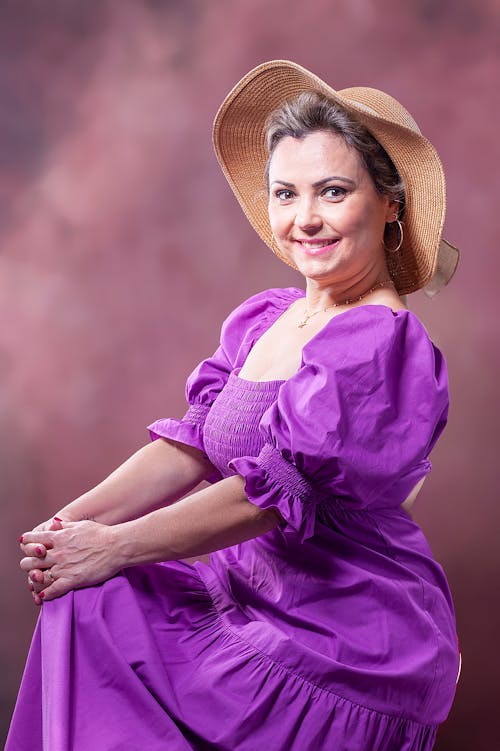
(319, 297)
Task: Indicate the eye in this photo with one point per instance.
(334, 193)
(283, 194)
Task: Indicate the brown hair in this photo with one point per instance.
(309, 112)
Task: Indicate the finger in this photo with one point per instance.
(27, 564)
(35, 587)
(49, 577)
(47, 537)
(35, 575)
(42, 537)
(58, 588)
(34, 550)
(31, 548)
(38, 582)
(36, 578)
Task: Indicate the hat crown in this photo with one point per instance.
(381, 105)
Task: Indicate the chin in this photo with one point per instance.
(315, 269)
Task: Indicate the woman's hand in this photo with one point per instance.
(35, 576)
(67, 555)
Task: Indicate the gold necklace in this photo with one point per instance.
(345, 302)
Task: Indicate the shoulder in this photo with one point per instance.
(256, 309)
(372, 325)
(369, 366)
(373, 341)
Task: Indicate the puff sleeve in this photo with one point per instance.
(355, 425)
(203, 385)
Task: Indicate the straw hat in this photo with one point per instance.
(425, 259)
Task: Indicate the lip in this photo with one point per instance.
(321, 249)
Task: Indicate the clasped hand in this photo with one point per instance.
(60, 556)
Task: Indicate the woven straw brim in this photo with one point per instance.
(239, 142)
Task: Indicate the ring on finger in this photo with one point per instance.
(50, 575)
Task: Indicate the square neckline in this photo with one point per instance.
(271, 383)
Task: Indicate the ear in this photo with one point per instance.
(392, 212)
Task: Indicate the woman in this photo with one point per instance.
(322, 620)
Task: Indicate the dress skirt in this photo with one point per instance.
(144, 661)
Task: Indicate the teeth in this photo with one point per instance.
(314, 245)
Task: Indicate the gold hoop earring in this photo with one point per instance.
(398, 246)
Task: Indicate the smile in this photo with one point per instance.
(317, 247)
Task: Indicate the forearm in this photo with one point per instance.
(80, 554)
(158, 474)
(213, 518)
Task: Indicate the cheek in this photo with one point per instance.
(361, 219)
(277, 219)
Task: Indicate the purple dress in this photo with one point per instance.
(335, 631)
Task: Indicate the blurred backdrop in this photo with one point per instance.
(122, 250)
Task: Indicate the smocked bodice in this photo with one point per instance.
(232, 426)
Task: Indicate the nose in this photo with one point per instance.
(307, 217)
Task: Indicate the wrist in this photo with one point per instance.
(141, 541)
(121, 540)
(78, 510)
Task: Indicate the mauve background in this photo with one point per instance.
(122, 249)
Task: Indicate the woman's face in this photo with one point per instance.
(324, 210)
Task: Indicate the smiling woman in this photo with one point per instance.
(322, 607)
(323, 205)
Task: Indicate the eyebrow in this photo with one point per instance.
(319, 183)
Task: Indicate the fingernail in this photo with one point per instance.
(41, 594)
(57, 519)
(21, 539)
(38, 550)
(31, 587)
